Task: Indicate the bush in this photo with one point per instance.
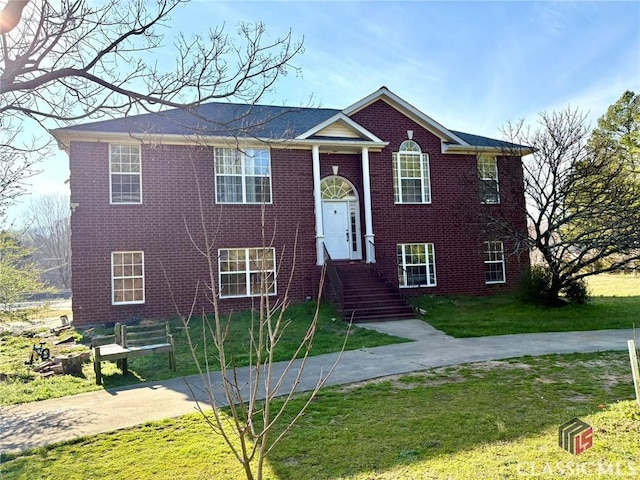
(535, 286)
(576, 292)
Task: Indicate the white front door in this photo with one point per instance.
(337, 229)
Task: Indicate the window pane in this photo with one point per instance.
(125, 188)
(258, 190)
(411, 191)
(236, 272)
(416, 265)
(128, 277)
(233, 284)
(256, 285)
(242, 177)
(229, 189)
(416, 275)
(494, 262)
(411, 174)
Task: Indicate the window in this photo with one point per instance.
(416, 265)
(411, 181)
(494, 262)
(247, 271)
(242, 177)
(488, 174)
(125, 174)
(127, 277)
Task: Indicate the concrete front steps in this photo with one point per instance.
(367, 298)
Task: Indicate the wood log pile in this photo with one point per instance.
(70, 364)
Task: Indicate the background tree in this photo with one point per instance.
(581, 207)
(618, 132)
(18, 273)
(48, 234)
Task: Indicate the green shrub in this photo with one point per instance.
(576, 292)
(535, 286)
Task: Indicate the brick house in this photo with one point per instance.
(380, 188)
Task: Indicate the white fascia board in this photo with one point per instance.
(64, 137)
(474, 150)
(404, 107)
(337, 117)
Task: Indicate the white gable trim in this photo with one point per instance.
(409, 110)
(340, 117)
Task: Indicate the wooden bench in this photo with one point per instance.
(130, 341)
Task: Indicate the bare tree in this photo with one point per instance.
(72, 59)
(49, 235)
(75, 59)
(19, 158)
(245, 408)
(580, 205)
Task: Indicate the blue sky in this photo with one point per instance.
(471, 66)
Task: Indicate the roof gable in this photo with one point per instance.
(337, 127)
(385, 95)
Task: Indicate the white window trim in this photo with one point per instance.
(488, 245)
(243, 176)
(428, 246)
(494, 160)
(111, 173)
(425, 176)
(247, 272)
(114, 278)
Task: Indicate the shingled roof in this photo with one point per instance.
(217, 119)
(260, 121)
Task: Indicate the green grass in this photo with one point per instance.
(504, 314)
(490, 420)
(614, 285)
(22, 385)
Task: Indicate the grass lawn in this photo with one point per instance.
(22, 385)
(504, 314)
(490, 420)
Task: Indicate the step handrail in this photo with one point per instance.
(334, 280)
(380, 256)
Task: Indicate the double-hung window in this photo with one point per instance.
(127, 277)
(246, 272)
(125, 173)
(494, 262)
(242, 176)
(411, 182)
(416, 265)
(488, 175)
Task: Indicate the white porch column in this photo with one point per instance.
(368, 221)
(317, 202)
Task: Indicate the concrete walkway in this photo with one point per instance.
(30, 425)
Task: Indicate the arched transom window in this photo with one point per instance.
(336, 188)
(411, 180)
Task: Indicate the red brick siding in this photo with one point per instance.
(160, 225)
(447, 221)
(175, 270)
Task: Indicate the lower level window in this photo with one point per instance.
(416, 265)
(127, 277)
(494, 262)
(247, 272)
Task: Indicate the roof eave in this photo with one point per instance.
(516, 150)
(65, 136)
